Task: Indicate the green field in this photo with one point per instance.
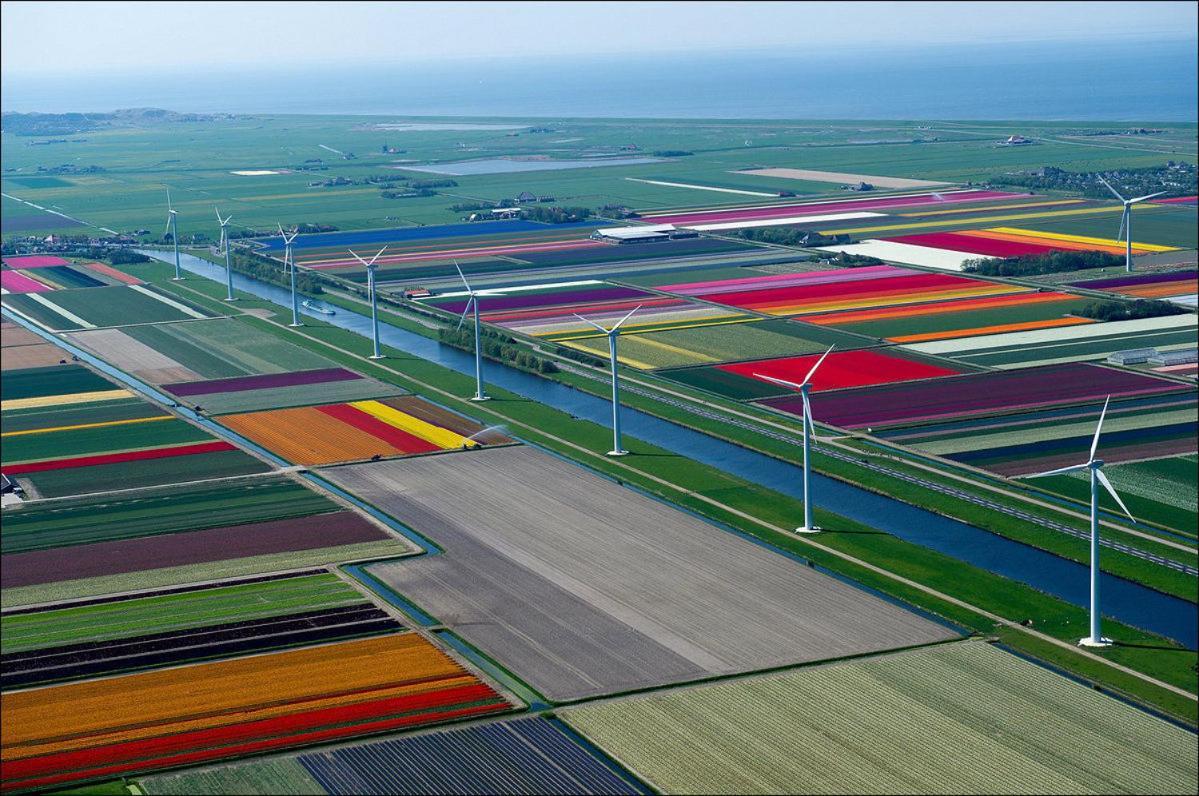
(1162, 490)
(130, 192)
(964, 717)
(106, 439)
(133, 475)
(51, 380)
(719, 343)
(37, 417)
(114, 305)
(225, 347)
(141, 616)
(185, 508)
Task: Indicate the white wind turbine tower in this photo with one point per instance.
(612, 334)
(1095, 639)
(473, 301)
(225, 245)
(173, 228)
(1126, 220)
(370, 286)
(289, 262)
(809, 431)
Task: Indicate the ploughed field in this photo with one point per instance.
(586, 587)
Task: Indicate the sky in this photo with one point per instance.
(86, 37)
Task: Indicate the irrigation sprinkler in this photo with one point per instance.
(1095, 639)
(804, 388)
(613, 333)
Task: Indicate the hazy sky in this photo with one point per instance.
(88, 36)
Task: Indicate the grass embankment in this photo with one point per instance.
(883, 562)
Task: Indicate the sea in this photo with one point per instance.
(1125, 81)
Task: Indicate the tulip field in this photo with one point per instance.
(346, 432)
(183, 625)
(66, 733)
(243, 556)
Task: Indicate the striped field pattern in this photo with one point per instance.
(314, 435)
(193, 714)
(958, 718)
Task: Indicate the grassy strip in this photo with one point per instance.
(691, 482)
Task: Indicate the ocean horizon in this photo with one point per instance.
(1128, 81)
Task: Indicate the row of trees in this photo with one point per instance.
(498, 347)
(1048, 263)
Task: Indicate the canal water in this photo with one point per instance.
(1124, 600)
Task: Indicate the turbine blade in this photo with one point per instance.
(282, 234)
(1059, 471)
(1123, 224)
(590, 322)
(1146, 196)
(625, 318)
(783, 382)
(359, 259)
(463, 278)
(1110, 188)
(807, 417)
(169, 199)
(1098, 428)
(1112, 490)
(465, 310)
(808, 377)
(168, 226)
(376, 257)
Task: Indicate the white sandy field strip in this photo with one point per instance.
(186, 310)
(811, 175)
(50, 305)
(907, 253)
(582, 587)
(1058, 335)
(702, 187)
(779, 222)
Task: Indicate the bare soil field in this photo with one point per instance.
(133, 356)
(583, 587)
(31, 356)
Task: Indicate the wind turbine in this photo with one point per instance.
(804, 388)
(225, 245)
(473, 301)
(1126, 220)
(289, 261)
(1095, 639)
(173, 228)
(370, 286)
(613, 333)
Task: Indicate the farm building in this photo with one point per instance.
(1184, 356)
(1133, 356)
(645, 234)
